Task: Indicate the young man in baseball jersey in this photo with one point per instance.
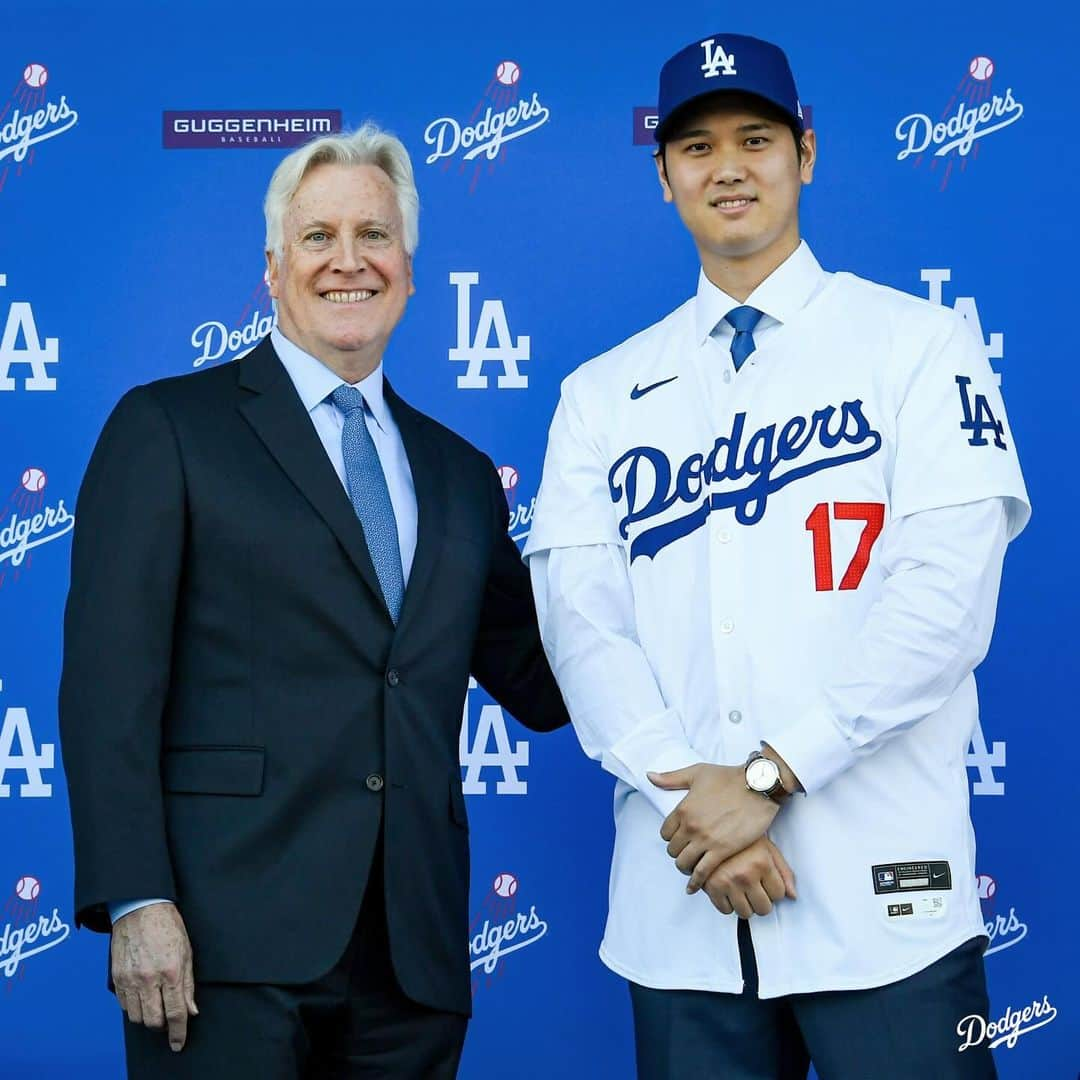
(766, 554)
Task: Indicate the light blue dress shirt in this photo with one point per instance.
(315, 382)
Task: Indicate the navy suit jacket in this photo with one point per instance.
(240, 716)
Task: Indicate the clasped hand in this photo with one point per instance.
(716, 836)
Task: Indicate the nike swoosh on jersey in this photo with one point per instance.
(641, 391)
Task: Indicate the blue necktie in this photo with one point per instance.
(744, 319)
(370, 496)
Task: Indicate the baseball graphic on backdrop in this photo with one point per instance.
(981, 68)
(508, 72)
(986, 886)
(509, 477)
(505, 885)
(27, 888)
(35, 75)
(33, 480)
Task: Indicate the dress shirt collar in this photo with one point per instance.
(786, 291)
(315, 382)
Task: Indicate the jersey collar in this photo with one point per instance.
(784, 293)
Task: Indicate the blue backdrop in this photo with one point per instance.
(123, 259)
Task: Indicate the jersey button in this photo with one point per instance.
(727, 376)
(735, 716)
(727, 626)
(374, 782)
(724, 536)
(393, 677)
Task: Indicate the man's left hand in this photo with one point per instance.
(719, 815)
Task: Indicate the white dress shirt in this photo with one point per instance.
(689, 614)
(314, 383)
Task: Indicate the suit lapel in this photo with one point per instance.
(429, 482)
(269, 403)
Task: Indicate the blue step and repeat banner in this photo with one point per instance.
(135, 148)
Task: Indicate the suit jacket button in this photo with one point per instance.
(393, 677)
(374, 782)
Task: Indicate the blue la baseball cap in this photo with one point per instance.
(725, 62)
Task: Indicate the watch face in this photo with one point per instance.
(762, 774)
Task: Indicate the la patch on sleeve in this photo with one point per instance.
(979, 417)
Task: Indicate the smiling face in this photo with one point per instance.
(732, 169)
(343, 278)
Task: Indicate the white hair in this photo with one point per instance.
(367, 145)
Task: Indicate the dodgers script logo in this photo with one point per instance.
(1004, 931)
(973, 112)
(216, 340)
(28, 521)
(498, 118)
(25, 933)
(31, 117)
(651, 486)
(505, 928)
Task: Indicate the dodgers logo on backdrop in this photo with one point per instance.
(475, 348)
(231, 129)
(499, 117)
(501, 927)
(20, 754)
(972, 112)
(30, 117)
(26, 931)
(521, 510)
(994, 344)
(476, 753)
(645, 478)
(1003, 930)
(975, 1030)
(216, 340)
(29, 520)
(24, 360)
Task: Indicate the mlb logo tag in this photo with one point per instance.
(978, 416)
(886, 877)
(717, 61)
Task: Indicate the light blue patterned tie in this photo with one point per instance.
(744, 319)
(370, 496)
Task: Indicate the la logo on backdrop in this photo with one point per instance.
(30, 117)
(501, 116)
(21, 756)
(25, 360)
(973, 111)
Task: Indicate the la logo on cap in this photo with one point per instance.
(717, 61)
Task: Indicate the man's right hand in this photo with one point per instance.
(748, 883)
(152, 970)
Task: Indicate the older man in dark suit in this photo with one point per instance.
(283, 576)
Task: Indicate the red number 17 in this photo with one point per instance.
(818, 524)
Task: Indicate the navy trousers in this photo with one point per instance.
(903, 1031)
(352, 1023)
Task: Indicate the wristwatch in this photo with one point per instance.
(763, 776)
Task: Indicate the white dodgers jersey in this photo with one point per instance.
(750, 513)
